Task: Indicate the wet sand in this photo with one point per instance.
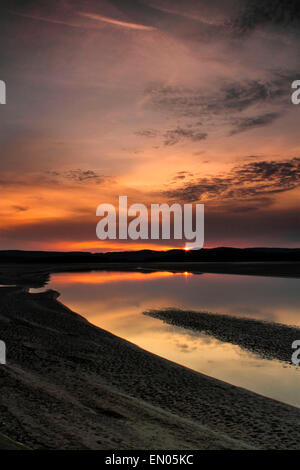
(268, 340)
(70, 385)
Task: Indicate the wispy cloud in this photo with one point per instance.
(247, 183)
(79, 175)
(174, 136)
(266, 99)
(57, 177)
(150, 133)
(247, 123)
(124, 24)
(47, 19)
(192, 16)
(91, 16)
(233, 97)
(18, 208)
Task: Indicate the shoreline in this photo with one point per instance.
(38, 274)
(71, 385)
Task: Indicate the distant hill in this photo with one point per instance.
(221, 254)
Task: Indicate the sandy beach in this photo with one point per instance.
(70, 385)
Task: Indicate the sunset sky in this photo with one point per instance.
(159, 100)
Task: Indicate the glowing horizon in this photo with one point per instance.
(106, 99)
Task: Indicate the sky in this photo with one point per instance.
(163, 101)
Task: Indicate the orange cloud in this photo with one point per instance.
(124, 24)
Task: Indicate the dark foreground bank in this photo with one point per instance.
(70, 385)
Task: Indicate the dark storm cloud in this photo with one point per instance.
(247, 123)
(249, 182)
(254, 13)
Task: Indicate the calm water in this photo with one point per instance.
(115, 301)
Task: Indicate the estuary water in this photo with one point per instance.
(115, 301)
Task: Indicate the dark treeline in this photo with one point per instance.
(208, 255)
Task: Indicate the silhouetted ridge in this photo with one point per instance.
(220, 254)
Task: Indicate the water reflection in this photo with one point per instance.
(115, 301)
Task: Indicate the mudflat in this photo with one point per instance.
(70, 385)
(268, 340)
